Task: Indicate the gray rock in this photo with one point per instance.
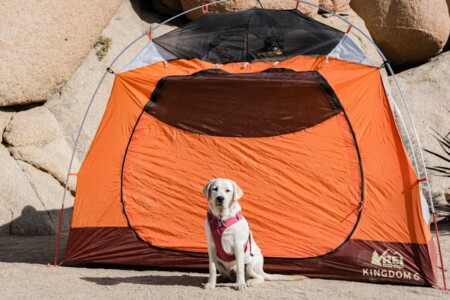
(34, 136)
(31, 127)
(21, 212)
(427, 91)
(50, 192)
(43, 42)
(52, 158)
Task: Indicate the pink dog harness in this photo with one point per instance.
(217, 228)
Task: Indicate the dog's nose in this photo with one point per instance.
(220, 199)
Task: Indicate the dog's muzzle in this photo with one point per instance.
(219, 200)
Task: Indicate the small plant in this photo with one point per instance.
(444, 141)
(102, 45)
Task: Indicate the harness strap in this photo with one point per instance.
(218, 227)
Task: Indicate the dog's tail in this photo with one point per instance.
(279, 277)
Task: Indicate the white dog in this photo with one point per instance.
(231, 248)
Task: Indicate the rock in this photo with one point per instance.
(34, 136)
(43, 42)
(34, 126)
(50, 192)
(21, 212)
(335, 5)
(239, 5)
(69, 106)
(5, 117)
(426, 89)
(407, 31)
(52, 158)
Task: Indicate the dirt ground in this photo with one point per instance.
(25, 274)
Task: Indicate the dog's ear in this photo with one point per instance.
(237, 192)
(206, 189)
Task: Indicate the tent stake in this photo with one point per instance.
(440, 252)
(58, 238)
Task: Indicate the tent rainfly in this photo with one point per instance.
(289, 108)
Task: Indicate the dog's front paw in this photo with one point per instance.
(241, 286)
(209, 286)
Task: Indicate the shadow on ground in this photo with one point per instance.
(443, 226)
(169, 280)
(30, 249)
(32, 222)
(31, 237)
(195, 280)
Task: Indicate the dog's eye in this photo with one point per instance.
(215, 189)
(227, 191)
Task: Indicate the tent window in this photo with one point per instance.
(270, 103)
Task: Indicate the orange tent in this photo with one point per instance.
(329, 190)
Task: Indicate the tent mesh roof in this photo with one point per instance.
(252, 35)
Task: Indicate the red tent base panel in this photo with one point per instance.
(357, 260)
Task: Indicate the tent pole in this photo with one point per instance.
(108, 70)
(402, 96)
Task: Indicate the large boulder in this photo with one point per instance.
(407, 31)
(427, 90)
(34, 136)
(21, 211)
(239, 5)
(43, 42)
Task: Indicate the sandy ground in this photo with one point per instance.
(25, 274)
